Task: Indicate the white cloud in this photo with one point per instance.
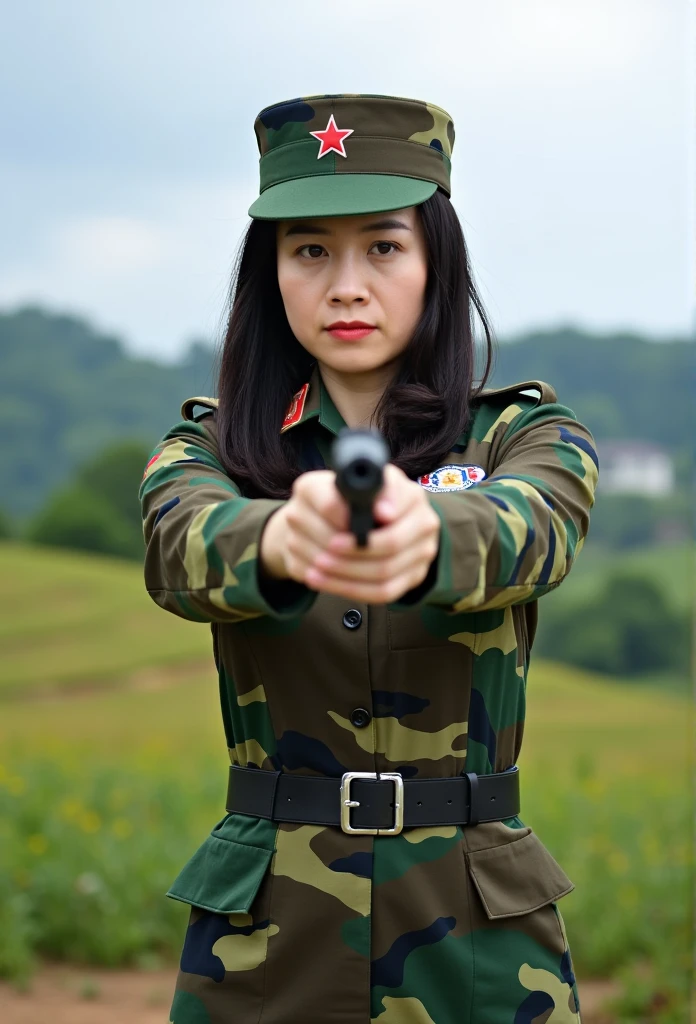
(112, 245)
(157, 281)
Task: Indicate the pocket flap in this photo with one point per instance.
(517, 877)
(222, 875)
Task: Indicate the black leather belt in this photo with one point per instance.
(367, 803)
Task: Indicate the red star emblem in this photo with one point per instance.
(332, 139)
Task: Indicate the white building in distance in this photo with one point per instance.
(634, 467)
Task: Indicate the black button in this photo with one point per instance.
(360, 717)
(352, 618)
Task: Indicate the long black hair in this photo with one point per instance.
(423, 410)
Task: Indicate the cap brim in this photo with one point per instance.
(339, 195)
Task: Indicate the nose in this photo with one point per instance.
(347, 283)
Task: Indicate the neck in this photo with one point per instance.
(356, 395)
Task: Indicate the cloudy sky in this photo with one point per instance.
(128, 157)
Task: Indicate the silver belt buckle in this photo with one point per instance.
(347, 803)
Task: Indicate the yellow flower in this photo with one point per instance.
(70, 808)
(118, 798)
(16, 785)
(618, 862)
(121, 828)
(37, 844)
(90, 822)
(651, 848)
(627, 896)
(594, 787)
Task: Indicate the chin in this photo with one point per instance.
(352, 359)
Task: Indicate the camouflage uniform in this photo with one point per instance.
(303, 923)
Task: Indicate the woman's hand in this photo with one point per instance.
(309, 539)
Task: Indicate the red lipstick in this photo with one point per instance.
(350, 330)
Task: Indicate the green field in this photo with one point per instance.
(106, 790)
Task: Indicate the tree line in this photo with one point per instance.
(83, 415)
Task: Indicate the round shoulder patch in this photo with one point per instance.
(452, 478)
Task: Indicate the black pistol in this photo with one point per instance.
(359, 457)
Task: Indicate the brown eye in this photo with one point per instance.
(318, 249)
(390, 245)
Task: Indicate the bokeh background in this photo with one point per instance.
(127, 164)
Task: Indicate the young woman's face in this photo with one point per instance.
(371, 268)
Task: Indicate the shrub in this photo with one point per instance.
(76, 517)
(628, 630)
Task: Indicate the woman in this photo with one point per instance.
(405, 660)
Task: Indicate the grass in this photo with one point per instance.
(103, 796)
(608, 787)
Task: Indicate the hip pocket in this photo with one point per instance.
(523, 964)
(517, 876)
(223, 875)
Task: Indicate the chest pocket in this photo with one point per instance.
(430, 627)
(424, 627)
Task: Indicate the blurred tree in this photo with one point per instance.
(115, 475)
(628, 630)
(623, 521)
(6, 525)
(67, 390)
(100, 510)
(75, 517)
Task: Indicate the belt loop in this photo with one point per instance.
(473, 793)
(273, 794)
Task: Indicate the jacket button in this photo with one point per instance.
(352, 618)
(360, 717)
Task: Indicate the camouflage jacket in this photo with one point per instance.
(441, 925)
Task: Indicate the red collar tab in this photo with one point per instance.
(296, 408)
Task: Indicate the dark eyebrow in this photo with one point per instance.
(379, 225)
(305, 229)
(386, 225)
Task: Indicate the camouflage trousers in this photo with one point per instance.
(431, 928)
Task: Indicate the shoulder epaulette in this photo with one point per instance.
(546, 391)
(188, 406)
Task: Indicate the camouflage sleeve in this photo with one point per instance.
(202, 537)
(514, 537)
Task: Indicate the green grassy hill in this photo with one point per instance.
(74, 619)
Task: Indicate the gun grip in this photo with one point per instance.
(361, 522)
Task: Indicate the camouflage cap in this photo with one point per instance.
(350, 153)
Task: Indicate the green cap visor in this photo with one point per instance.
(339, 195)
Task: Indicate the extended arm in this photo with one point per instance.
(514, 536)
(202, 537)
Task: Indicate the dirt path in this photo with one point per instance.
(62, 994)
